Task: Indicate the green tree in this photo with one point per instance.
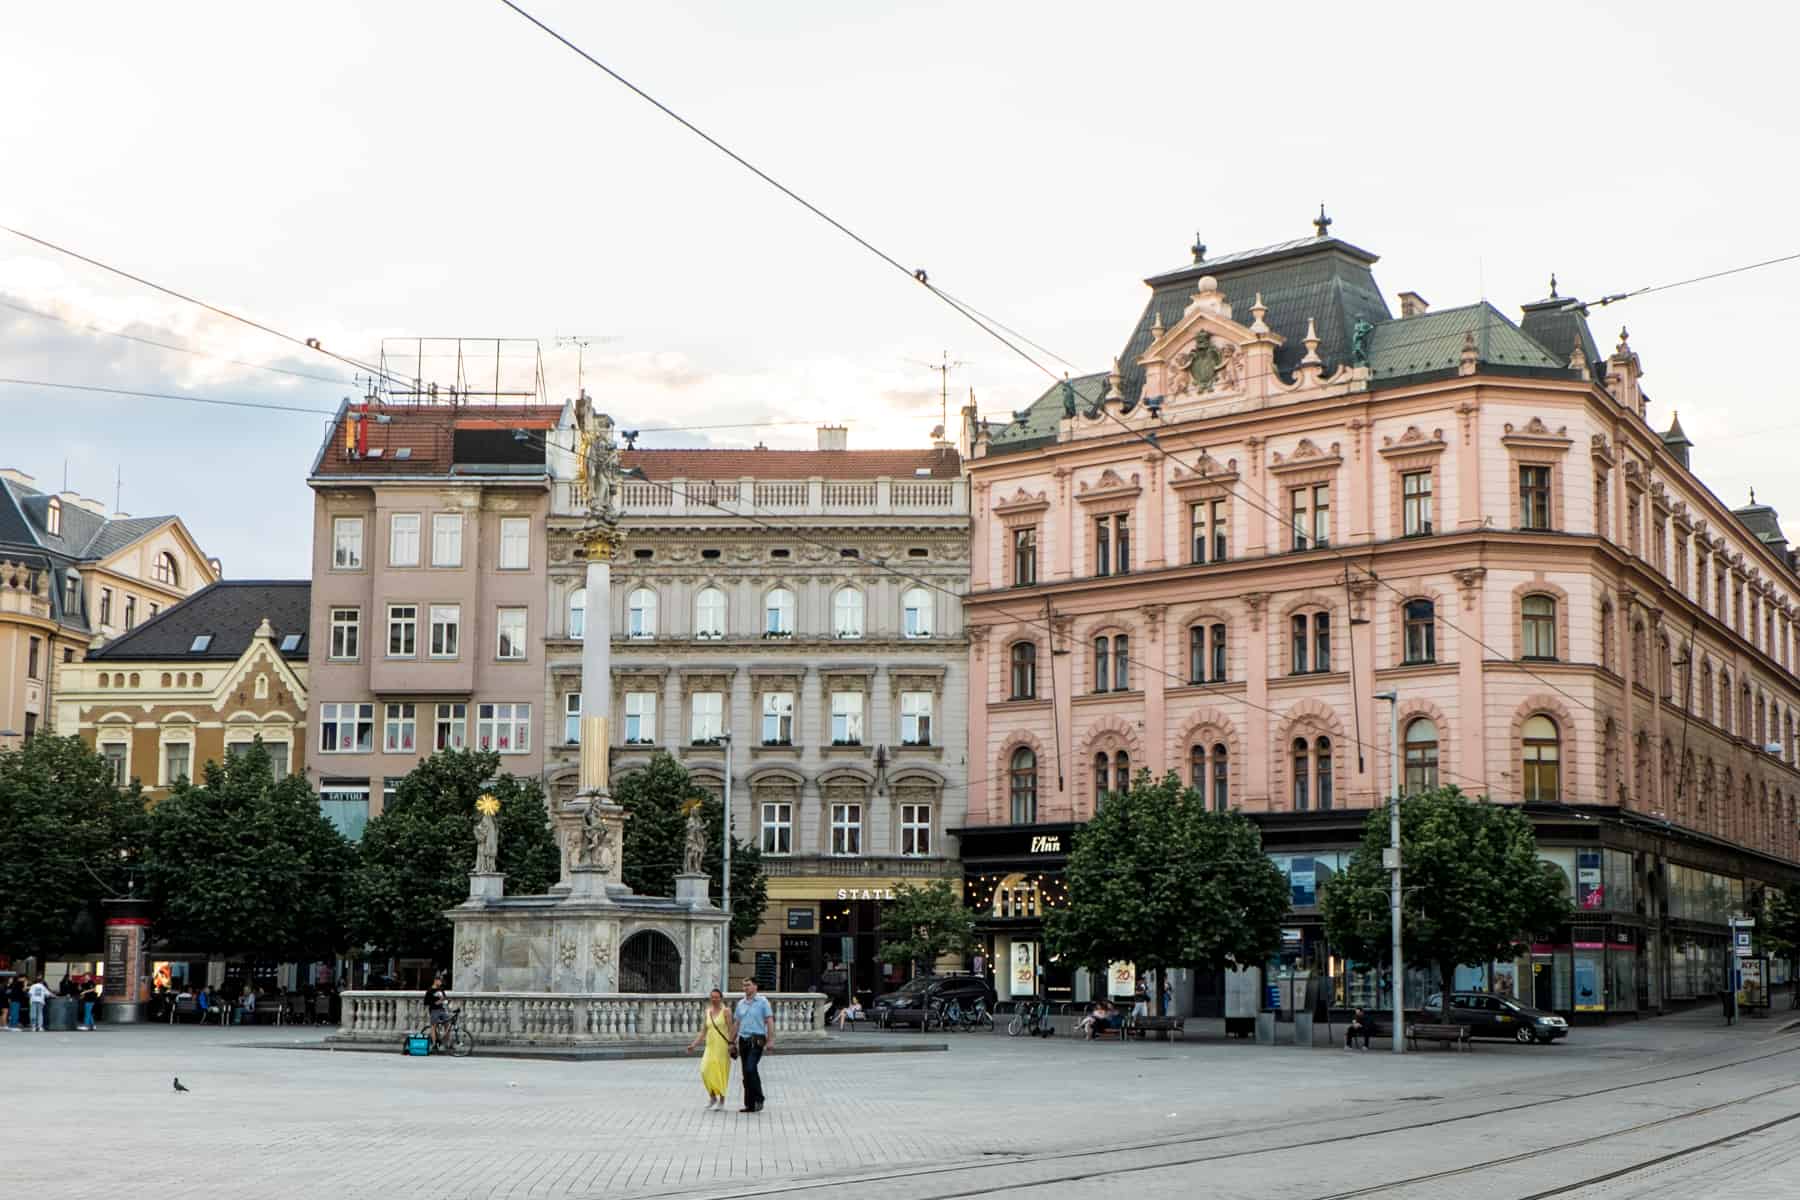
(68, 837)
(244, 863)
(1779, 929)
(1475, 889)
(923, 924)
(1157, 880)
(657, 800)
(416, 856)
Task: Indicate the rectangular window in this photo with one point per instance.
(640, 718)
(846, 718)
(155, 608)
(34, 649)
(446, 630)
(1298, 628)
(915, 829)
(115, 753)
(446, 540)
(503, 728)
(106, 606)
(1211, 537)
(346, 728)
(400, 730)
(708, 716)
(1218, 653)
(346, 806)
(346, 631)
(510, 634)
(778, 719)
(403, 630)
(1103, 546)
(846, 829)
(515, 543)
(1310, 509)
(1534, 497)
(1321, 642)
(915, 718)
(176, 756)
(777, 828)
(1024, 550)
(1415, 502)
(572, 719)
(131, 612)
(346, 543)
(1121, 544)
(452, 727)
(403, 540)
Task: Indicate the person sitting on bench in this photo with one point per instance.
(1360, 1026)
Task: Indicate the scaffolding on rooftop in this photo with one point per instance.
(459, 370)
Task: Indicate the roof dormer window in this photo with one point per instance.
(53, 518)
(200, 644)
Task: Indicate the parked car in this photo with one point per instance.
(908, 1004)
(1490, 1016)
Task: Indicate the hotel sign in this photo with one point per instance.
(865, 894)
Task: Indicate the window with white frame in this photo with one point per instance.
(1208, 523)
(578, 613)
(777, 827)
(403, 540)
(640, 718)
(1415, 503)
(572, 719)
(452, 732)
(446, 539)
(846, 829)
(1311, 516)
(400, 729)
(346, 728)
(509, 631)
(177, 760)
(346, 633)
(847, 613)
(347, 543)
(640, 613)
(446, 630)
(709, 614)
(915, 829)
(403, 630)
(778, 719)
(116, 755)
(503, 728)
(515, 543)
(915, 718)
(915, 613)
(846, 718)
(707, 710)
(778, 613)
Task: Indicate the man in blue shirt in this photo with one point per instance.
(753, 1025)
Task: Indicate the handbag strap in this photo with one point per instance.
(714, 1026)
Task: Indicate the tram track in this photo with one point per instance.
(999, 1163)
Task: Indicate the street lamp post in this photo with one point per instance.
(1391, 860)
(725, 875)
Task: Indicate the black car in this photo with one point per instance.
(1490, 1016)
(908, 1004)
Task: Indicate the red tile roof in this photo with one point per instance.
(427, 430)
(793, 464)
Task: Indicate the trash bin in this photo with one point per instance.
(59, 1014)
(1303, 1029)
(1265, 1028)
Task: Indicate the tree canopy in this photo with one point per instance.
(1778, 928)
(1475, 889)
(68, 835)
(1158, 880)
(657, 799)
(417, 854)
(245, 863)
(923, 924)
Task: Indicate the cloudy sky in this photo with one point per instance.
(356, 171)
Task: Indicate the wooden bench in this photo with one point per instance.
(1166, 1028)
(1451, 1035)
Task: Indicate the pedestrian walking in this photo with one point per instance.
(715, 1063)
(753, 1026)
(90, 996)
(39, 995)
(15, 1002)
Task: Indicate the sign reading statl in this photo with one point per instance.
(865, 893)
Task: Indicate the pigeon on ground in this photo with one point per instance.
(178, 1084)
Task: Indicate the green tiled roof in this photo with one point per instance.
(1039, 421)
(1434, 342)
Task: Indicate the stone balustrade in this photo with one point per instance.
(571, 1019)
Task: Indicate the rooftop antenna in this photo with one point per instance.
(119, 489)
(943, 369)
(581, 342)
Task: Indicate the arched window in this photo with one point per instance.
(1197, 768)
(1537, 627)
(1421, 755)
(1302, 773)
(1024, 671)
(847, 613)
(1743, 713)
(1122, 771)
(1762, 718)
(1421, 631)
(1102, 663)
(709, 614)
(1221, 798)
(1322, 774)
(1725, 700)
(1102, 775)
(1024, 786)
(53, 518)
(1121, 663)
(1542, 765)
(915, 613)
(1666, 666)
(778, 613)
(1606, 636)
(165, 569)
(578, 613)
(640, 613)
(1706, 691)
(1311, 642)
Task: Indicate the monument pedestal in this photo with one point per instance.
(691, 890)
(487, 885)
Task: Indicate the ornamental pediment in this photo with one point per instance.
(1307, 454)
(1021, 501)
(1205, 351)
(1413, 441)
(1110, 486)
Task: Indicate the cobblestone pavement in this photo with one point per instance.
(991, 1116)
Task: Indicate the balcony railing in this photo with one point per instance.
(861, 866)
(746, 497)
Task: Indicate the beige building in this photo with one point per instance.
(428, 594)
(70, 574)
(199, 681)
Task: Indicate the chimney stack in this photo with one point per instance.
(834, 437)
(1413, 305)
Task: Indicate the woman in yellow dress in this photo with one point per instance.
(715, 1064)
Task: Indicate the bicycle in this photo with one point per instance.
(459, 1041)
(1033, 1019)
(978, 1017)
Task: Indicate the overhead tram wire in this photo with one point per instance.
(88, 387)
